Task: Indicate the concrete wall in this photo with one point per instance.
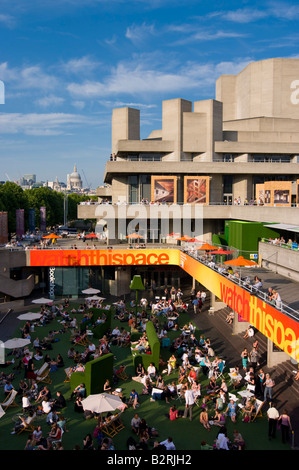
(263, 88)
(279, 260)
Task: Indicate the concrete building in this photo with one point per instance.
(247, 136)
(74, 181)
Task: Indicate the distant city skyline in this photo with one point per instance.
(66, 64)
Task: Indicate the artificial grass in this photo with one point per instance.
(186, 435)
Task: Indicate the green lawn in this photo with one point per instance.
(186, 435)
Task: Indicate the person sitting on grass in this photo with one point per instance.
(133, 399)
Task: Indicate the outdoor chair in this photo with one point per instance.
(121, 373)
(58, 440)
(219, 372)
(44, 376)
(68, 372)
(179, 392)
(258, 409)
(29, 426)
(10, 400)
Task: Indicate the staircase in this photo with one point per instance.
(282, 374)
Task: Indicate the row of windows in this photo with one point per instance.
(139, 186)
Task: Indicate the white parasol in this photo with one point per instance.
(95, 297)
(42, 300)
(29, 316)
(102, 403)
(15, 343)
(91, 291)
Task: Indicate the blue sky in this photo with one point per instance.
(66, 64)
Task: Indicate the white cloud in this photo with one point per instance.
(135, 80)
(41, 124)
(50, 100)
(78, 104)
(242, 15)
(80, 65)
(139, 33)
(7, 20)
(208, 35)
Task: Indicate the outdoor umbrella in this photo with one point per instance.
(91, 235)
(95, 297)
(15, 343)
(29, 316)
(42, 300)
(207, 247)
(221, 252)
(52, 235)
(91, 291)
(101, 403)
(240, 261)
(134, 235)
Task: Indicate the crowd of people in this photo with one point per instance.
(191, 379)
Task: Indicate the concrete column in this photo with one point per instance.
(239, 326)
(275, 357)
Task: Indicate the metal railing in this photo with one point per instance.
(245, 284)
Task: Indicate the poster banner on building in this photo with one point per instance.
(260, 194)
(43, 223)
(31, 220)
(3, 228)
(164, 189)
(20, 223)
(196, 189)
(278, 193)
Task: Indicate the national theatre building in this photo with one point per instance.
(235, 156)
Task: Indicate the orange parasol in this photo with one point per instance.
(52, 235)
(134, 235)
(240, 261)
(207, 246)
(221, 252)
(184, 238)
(91, 235)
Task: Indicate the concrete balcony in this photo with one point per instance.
(121, 168)
(270, 214)
(281, 260)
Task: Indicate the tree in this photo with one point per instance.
(51, 200)
(12, 197)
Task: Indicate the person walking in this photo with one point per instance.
(273, 416)
(285, 426)
(189, 403)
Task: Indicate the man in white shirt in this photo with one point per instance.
(273, 416)
(168, 443)
(189, 402)
(115, 331)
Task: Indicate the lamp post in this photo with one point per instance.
(137, 285)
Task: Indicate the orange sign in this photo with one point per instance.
(278, 327)
(124, 257)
